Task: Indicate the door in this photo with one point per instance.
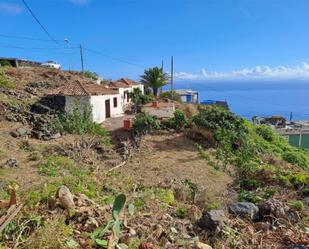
(107, 108)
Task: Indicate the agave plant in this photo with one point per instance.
(114, 225)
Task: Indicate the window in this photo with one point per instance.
(115, 102)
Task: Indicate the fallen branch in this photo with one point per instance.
(118, 166)
(6, 219)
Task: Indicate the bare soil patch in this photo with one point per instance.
(172, 158)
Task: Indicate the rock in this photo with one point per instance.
(306, 201)
(55, 136)
(200, 245)
(12, 162)
(274, 209)
(213, 220)
(262, 226)
(66, 198)
(132, 232)
(20, 132)
(244, 210)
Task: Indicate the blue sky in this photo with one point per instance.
(208, 38)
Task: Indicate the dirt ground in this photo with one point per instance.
(164, 159)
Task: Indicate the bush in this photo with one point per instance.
(215, 118)
(138, 98)
(4, 82)
(182, 212)
(79, 122)
(144, 123)
(5, 63)
(179, 121)
(265, 132)
(171, 95)
(91, 75)
(296, 157)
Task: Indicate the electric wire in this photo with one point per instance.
(38, 21)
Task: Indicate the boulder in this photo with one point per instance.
(66, 198)
(213, 220)
(274, 208)
(244, 210)
(200, 245)
(20, 132)
(12, 162)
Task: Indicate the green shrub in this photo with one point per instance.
(144, 123)
(167, 196)
(213, 205)
(91, 75)
(265, 132)
(138, 98)
(5, 63)
(296, 157)
(171, 95)
(245, 195)
(296, 204)
(179, 121)
(79, 122)
(182, 212)
(214, 118)
(4, 82)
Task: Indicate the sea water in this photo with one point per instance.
(256, 98)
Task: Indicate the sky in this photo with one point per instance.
(209, 39)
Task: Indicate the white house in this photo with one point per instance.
(124, 86)
(104, 101)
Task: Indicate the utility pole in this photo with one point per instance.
(172, 73)
(81, 58)
(162, 65)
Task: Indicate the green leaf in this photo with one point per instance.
(99, 232)
(131, 209)
(118, 205)
(123, 246)
(102, 243)
(71, 243)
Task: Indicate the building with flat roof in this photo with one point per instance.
(188, 96)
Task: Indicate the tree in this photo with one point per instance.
(154, 78)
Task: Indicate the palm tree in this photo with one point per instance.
(154, 78)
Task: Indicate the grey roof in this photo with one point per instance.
(186, 91)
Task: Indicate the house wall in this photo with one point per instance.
(72, 101)
(97, 104)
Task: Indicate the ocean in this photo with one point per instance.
(253, 98)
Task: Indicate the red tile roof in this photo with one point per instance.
(122, 83)
(78, 88)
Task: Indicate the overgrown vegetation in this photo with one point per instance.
(138, 98)
(79, 122)
(172, 95)
(5, 82)
(91, 75)
(144, 124)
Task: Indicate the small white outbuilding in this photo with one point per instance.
(104, 101)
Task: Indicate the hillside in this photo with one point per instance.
(204, 179)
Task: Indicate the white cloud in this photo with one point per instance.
(10, 8)
(258, 72)
(80, 2)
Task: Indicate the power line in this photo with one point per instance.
(114, 58)
(28, 38)
(38, 21)
(37, 48)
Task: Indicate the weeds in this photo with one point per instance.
(79, 122)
